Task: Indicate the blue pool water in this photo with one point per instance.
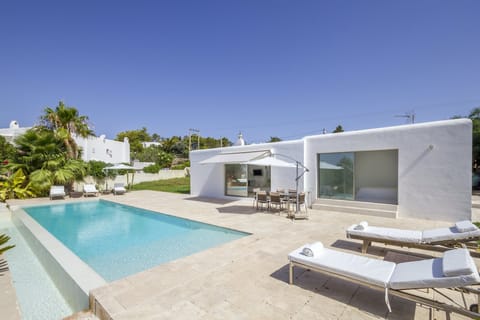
(118, 240)
(38, 297)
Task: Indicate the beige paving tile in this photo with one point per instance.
(248, 278)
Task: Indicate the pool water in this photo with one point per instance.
(37, 295)
(118, 240)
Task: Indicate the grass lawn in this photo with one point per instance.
(176, 185)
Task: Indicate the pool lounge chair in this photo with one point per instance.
(456, 270)
(57, 192)
(89, 190)
(462, 234)
(118, 188)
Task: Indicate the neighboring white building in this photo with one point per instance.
(419, 170)
(102, 149)
(93, 148)
(12, 131)
(151, 143)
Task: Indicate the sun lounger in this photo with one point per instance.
(455, 270)
(57, 192)
(118, 188)
(89, 190)
(463, 234)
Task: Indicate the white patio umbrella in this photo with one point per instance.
(271, 161)
(119, 166)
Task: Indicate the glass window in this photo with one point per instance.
(369, 176)
(335, 175)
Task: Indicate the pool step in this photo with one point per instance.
(82, 315)
(357, 207)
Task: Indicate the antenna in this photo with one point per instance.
(410, 116)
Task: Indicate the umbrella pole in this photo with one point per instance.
(296, 188)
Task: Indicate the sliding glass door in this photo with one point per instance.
(236, 180)
(242, 179)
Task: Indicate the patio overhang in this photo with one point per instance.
(236, 157)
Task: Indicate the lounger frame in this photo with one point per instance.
(401, 293)
(468, 243)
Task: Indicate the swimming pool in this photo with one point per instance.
(38, 296)
(117, 240)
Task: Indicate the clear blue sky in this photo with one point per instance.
(266, 68)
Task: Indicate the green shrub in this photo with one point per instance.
(154, 168)
(181, 166)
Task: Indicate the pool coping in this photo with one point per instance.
(74, 278)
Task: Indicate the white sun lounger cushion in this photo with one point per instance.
(313, 250)
(361, 226)
(465, 226)
(57, 191)
(392, 234)
(428, 274)
(372, 271)
(458, 263)
(89, 188)
(443, 234)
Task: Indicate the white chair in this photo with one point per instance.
(89, 190)
(57, 192)
(463, 233)
(118, 188)
(455, 270)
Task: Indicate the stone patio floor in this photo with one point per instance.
(248, 278)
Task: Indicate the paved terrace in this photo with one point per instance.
(248, 278)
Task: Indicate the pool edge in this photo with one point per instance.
(73, 277)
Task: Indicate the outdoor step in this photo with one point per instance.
(357, 204)
(356, 210)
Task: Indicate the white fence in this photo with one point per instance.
(139, 177)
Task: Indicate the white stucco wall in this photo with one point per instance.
(102, 149)
(434, 164)
(208, 180)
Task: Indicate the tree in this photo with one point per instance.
(96, 170)
(7, 150)
(165, 159)
(156, 137)
(42, 156)
(150, 154)
(135, 138)
(66, 123)
(175, 145)
(274, 139)
(338, 129)
(475, 117)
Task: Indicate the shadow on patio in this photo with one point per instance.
(348, 293)
(210, 200)
(237, 209)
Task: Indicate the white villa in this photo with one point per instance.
(418, 170)
(93, 148)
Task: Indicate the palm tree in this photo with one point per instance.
(42, 157)
(66, 123)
